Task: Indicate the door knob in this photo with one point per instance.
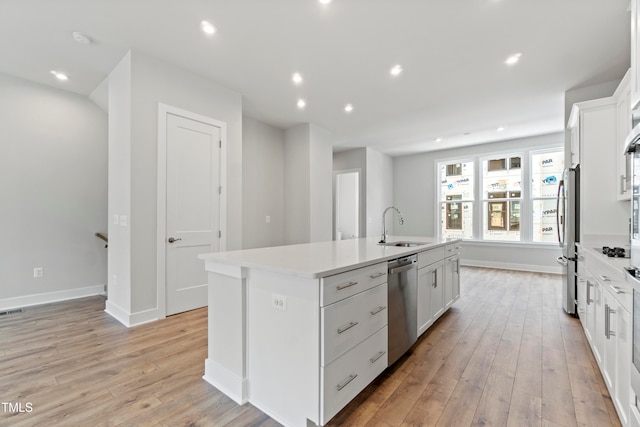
(172, 240)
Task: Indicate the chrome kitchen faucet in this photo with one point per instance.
(384, 227)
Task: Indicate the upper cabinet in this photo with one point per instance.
(593, 127)
(622, 96)
(635, 54)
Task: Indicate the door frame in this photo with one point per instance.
(336, 204)
(161, 253)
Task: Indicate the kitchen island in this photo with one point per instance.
(300, 330)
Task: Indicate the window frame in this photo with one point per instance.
(479, 203)
(462, 201)
(485, 221)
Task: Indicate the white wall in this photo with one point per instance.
(380, 179)
(53, 170)
(308, 180)
(321, 184)
(296, 185)
(153, 82)
(119, 195)
(376, 188)
(262, 184)
(355, 159)
(414, 193)
(347, 200)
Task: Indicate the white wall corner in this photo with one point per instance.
(130, 319)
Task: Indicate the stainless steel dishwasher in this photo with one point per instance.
(402, 282)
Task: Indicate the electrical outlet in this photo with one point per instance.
(268, 219)
(38, 272)
(279, 302)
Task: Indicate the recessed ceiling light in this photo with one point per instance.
(396, 70)
(297, 78)
(438, 139)
(500, 129)
(348, 108)
(301, 103)
(324, 1)
(513, 59)
(207, 27)
(80, 37)
(60, 76)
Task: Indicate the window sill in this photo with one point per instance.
(495, 243)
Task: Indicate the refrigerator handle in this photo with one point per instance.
(560, 218)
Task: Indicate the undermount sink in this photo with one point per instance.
(403, 244)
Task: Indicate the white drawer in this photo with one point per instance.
(429, 257)
(350, 321)
(343, 285)
(613, 280)
(452, 249)
(343, 379)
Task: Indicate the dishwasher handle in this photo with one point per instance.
(401, 269)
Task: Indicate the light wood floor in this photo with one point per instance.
(505, 354)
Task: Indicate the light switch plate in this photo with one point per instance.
(123, 220)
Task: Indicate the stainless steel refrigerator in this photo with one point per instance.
(568, 226)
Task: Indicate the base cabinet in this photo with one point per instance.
(430, 295)
(451, 275)
(438, 283)
(606, 320)
(299, 347)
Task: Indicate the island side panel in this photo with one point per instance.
(225, 367)
(284, 346)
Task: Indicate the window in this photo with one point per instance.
(457, 195)
(502, 183)
(506, 197)
(546, 172)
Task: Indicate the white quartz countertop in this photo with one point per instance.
(315, 260)
(595, 248)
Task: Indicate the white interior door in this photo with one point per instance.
(193, 209)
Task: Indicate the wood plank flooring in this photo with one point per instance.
(504, 355)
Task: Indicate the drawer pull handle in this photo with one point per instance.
(375, 358)
(604, 278)
(346, 328)
(344, 383)
(377, 310)
(615, 289)
(348, 285)
(375, 276)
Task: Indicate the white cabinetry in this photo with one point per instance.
(623, 115)
(353, 335)
(594, 125)
(298, 332)
(438, 283)
(607, 324)
(635, 53)
(451, 274)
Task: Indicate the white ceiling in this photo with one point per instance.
(452, 52)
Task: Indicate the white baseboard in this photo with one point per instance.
(226, 381)
(130, 319)
(512, 266)
(49, 297)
